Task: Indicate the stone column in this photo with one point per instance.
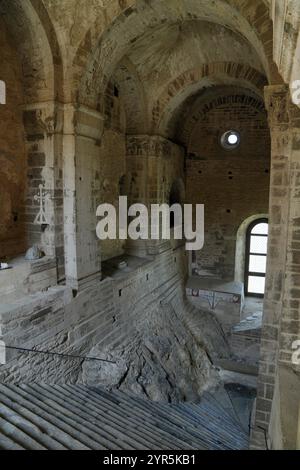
(83, 128)
(153, 163)
(282, 298)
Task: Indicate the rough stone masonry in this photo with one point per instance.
(106, 98)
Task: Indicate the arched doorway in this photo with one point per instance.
(176, 196)
(256, 258)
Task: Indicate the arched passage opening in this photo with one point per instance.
(13, 163)
(30, 157)
(231, 181)
(146, 77)
(155, 101)
(177, 195)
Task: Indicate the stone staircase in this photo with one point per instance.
(58, 417)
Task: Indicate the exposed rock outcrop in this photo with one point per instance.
(167, 356)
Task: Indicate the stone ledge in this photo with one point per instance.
(27, 277)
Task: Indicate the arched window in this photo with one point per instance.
(256, 258)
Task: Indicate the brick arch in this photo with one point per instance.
(229, 96)
(258, 15)
(133, 18)
(52, 39)
(36, 117)
(36, 43)
(98, 26)
(230, 70)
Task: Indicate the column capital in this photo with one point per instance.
(89, 123)
(277, 99)
(282, 112)
(152, 146)
(43, 119)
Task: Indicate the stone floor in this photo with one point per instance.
(253, 307)
(246, 335)
(240, 373)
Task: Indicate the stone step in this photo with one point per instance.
(116, 421)
(239, 367)
(25, 405)
(143, 413)
(29, 428)
(8, 444)
(39, 416)
(129, 415)
(179, 418)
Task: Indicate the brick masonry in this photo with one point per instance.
(233, 185)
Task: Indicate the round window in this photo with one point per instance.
(230, 140)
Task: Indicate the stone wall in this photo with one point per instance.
(162, 347)
(154, 164)
(12, 155)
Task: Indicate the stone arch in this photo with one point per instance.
(37, 53)
(98, 16)
(132, 96)
(13, 155)
(177, 192)
(55, 48)
(206, 76)
(132, 22)
(35, 40)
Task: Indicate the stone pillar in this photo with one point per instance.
(43, 128)
(282, 298)
(153, 164)
(83, 128)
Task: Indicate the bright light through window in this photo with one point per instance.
(230, 140)
(256, 258)
(260, 229)
(256, 285)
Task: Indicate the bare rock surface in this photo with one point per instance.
(163, 360)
